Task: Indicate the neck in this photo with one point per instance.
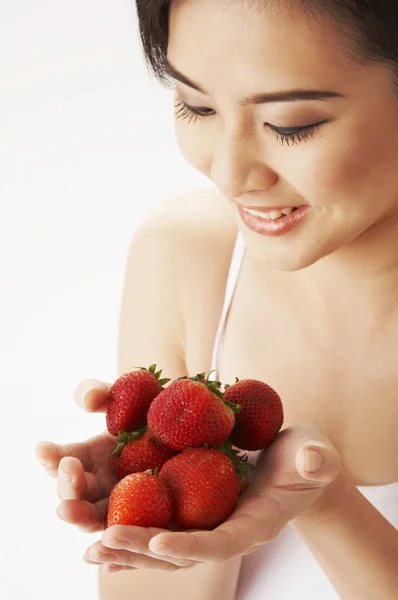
(364, 273)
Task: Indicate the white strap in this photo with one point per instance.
(233, 274)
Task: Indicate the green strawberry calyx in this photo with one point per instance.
(236, 408)
(157, 374)
(227, 385)
(213, 386)
(240, 463)
(154, 471)
(125, 437)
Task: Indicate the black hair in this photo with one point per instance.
(372, 28)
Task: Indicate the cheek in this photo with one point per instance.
(194, 146)
(357, 166)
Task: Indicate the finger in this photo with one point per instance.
(318, 463)
(73, 482)
(136, 540)
(86, 516)
(92, 395)
(49, 455)
(97, 553)
(110, 568)
(234, 537)
(108, 565)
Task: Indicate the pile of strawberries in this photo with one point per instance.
(175, 461)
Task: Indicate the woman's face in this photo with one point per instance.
(343, 168)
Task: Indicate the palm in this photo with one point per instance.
(84, 499)
(98, 464)
(275, 478)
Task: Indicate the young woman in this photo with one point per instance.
(285, 271)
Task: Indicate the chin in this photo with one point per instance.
(290, 263)
(293, 257)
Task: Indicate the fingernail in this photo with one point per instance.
(41, 460)
(109, 568)
(102, 556)
(160, 548)
(117, 544)
(64, 475)
(83, 390)
(60, 513)
(313, 460)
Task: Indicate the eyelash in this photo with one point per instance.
(288, 135)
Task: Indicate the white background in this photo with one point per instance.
(86, 149)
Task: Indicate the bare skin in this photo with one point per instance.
(315, 312)
(331, 362)
(325, 294)
(201, 320)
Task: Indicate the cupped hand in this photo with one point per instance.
(294, 476)
(84, 473)
(85, 479)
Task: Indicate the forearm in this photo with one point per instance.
(204, 581)
(354, 544)
(220, 580)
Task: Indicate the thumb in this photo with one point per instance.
(92, 395)
(318, 462)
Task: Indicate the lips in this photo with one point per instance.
(274, 213)
(266, 208)
(275, 222)
(281, 207)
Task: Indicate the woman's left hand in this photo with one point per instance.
(295, 475)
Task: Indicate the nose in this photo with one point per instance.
(239, 166)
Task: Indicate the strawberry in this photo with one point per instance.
(261, 415)
(204, 486)
(190, 413)
(139, 451)
(130, 397)
(140, 499)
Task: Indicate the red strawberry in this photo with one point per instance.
(140, 499)
(139, 451)
(130, 397)
(261, 416)
(190, 413)
(204, 487)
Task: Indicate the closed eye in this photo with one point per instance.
(290, 135)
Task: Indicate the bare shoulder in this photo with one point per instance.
(204, 233)
(203, 213)
(175, 279)
(193, 228)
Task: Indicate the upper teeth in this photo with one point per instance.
(273, 214)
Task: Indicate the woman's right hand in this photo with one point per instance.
(85, 479)
(84, 473)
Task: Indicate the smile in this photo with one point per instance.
(275, 222)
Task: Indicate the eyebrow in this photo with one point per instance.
(262, 98)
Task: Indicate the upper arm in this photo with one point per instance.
(151, 329)
(176, 268)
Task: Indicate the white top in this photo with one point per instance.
(285, 568)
